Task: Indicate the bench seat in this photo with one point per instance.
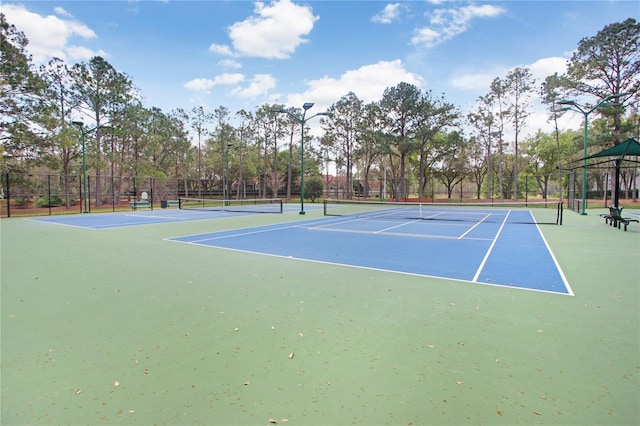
(139, 204)
(615, 218)
(170, 203)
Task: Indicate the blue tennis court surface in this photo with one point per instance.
(501, 253)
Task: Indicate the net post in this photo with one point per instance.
(560, 212)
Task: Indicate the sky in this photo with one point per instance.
(243, 54)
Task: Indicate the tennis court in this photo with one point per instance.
(192, 317)
(496, 246)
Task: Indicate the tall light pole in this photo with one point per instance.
(83, 133)
(574, 106)
(302, 120)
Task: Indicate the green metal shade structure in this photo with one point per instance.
(628, 148)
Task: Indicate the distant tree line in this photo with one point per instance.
(408, 138)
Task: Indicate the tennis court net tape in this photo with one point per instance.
(537, 212)
(253, 205)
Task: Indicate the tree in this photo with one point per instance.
(99, 92)
(20, 91)
(453, 166)
(542, 155)
(58, 102)
(485, 124)
(198, 119)
(608, 64)
(518, 84)
(222, 139)
(370, 136)
(498, 97)
(343, 130)
(477, 163)
(400, 105)
(433, 116)
(245, 133)
(313, 188)
(284, 126)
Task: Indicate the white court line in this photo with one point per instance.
(486, 256)
(555, 262)
(397, 226)
(398, 234)
(347, 265)
(474, 226)
(232, 235)
(53, 222)
(153, 217)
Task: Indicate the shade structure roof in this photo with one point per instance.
(630, 148)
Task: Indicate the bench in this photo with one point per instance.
(606, 216)
(614, 218)
(169, 203)
(138, 204)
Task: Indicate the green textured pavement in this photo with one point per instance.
(119, 326)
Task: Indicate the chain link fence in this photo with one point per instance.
(34, 194)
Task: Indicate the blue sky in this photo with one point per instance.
(241, 54)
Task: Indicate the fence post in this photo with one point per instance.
(8, 197)
(49, 192)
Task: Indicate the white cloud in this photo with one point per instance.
(80, 53)
(226, 79)
(446, 23)
(48, 35)
(477, 81)
(390, 13)
(367, 82)
(221, 49)
(60, 11)
(272, 32)
(548, 66)
(426, 37)
(230, 64)
(260, 85)
(481, 80)
(199, 84)
(205, 84)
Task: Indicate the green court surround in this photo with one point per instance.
(118, 326)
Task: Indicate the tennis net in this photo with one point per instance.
(537, 212)
(249, 205)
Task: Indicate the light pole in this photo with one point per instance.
(83, 133)
(302, 120)
(573, 106)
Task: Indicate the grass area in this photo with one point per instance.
(119, 326)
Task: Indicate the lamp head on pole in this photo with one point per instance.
(307, 105)
(78, 123)
(614, 96)
(567, 102)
